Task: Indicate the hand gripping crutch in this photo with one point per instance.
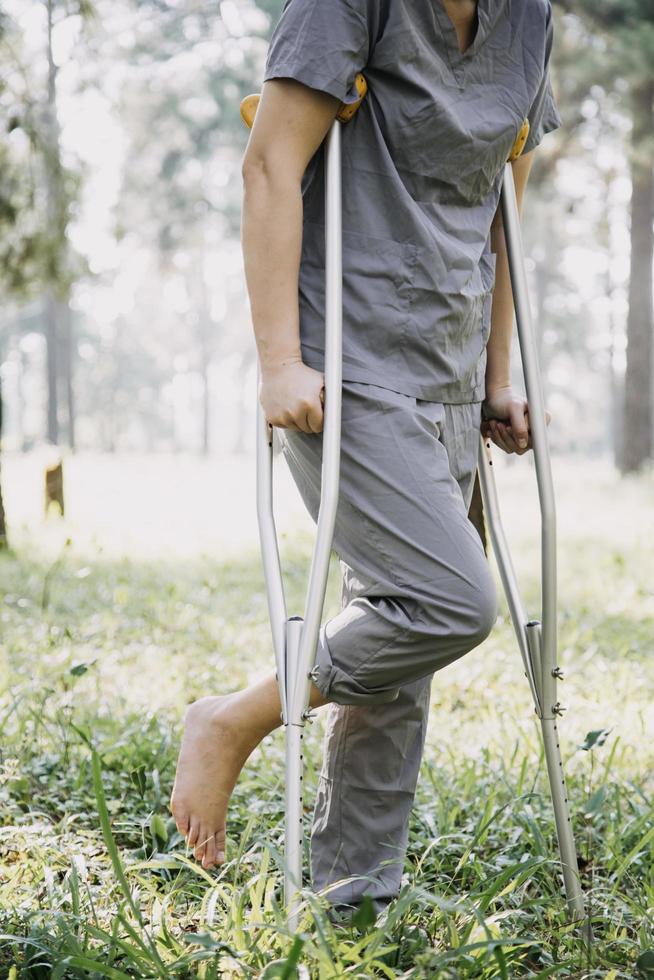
(537, 640)
(295, 638)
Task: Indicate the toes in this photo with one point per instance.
(219, 847)
(193, 833)
(201, 843)
(209, 858)
(181, 817)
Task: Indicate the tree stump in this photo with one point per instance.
(54, 486)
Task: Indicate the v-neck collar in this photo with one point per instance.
(459, 59)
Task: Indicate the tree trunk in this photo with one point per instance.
(3, 523)
(205, 408)
(52, 347)
(638, 391)
(205, 335)
(56, 304)
(20, 400)
(615, 408)
(67, 351)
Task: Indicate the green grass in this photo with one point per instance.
(99, 657)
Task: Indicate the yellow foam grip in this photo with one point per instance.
(345, 111)
(519, 144)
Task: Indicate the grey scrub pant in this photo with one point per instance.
(417, 594)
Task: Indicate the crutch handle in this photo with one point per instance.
(346, 110)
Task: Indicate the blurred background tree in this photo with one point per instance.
(614, 54)
(124, 321)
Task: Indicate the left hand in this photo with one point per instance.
(505, 418)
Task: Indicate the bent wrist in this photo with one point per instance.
(493, 385)
(274, 362)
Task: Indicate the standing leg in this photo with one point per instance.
(372, 753)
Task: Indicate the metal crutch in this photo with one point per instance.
(295, 638)
(537, 640)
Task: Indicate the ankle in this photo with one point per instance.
(239, 718)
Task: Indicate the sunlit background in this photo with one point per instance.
(127, 355)
(124, 324)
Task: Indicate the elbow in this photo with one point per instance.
(262, 169)
(253, 167)
(270, 170)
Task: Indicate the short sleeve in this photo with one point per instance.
(323, 44)
(543, 115)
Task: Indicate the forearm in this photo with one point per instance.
(498, 363)
(271, 238)
(498, 349)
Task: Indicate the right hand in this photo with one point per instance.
(292, 396)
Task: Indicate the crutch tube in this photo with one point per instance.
(294, 797)
(511, 222)
(331, 445)
(537, 640)
(295, 639)
(505, 566)
(301, 653)
(269, 550)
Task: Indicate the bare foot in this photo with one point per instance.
(216, 743)
(219, 735)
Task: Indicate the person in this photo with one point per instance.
(427, 325)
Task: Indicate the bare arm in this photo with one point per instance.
(507, 411)
(291, 122)
(498, 363)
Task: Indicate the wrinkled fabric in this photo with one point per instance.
(366, 788)
(423, 456)
(422, 594)
(422, 166)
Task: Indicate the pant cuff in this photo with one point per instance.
(336, 685)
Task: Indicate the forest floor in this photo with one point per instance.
(150, 593)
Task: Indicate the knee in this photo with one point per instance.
(469, 613)
(482, 608)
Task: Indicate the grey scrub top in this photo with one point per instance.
(422, 165)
